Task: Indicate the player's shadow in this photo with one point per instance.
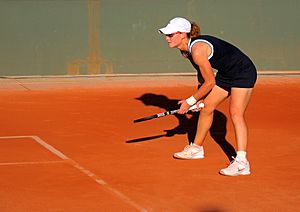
(188, 123)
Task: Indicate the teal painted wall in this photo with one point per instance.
(42, 37)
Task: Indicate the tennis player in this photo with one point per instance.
(235, 78)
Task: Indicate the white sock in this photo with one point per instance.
(196, 145)
(242, 155)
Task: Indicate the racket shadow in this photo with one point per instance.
(187, 125)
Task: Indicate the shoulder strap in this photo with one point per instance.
(191, 43)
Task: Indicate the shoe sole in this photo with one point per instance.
(192, 158)
(234, 175)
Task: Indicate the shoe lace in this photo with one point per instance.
(187, 148)
(234, 161)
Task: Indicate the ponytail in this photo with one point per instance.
(195, 30)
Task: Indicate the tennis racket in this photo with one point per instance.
(170, 112)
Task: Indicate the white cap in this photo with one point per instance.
(177, 24)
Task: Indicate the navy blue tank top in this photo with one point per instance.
(229, 61)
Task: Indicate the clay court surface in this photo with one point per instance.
(70, 144)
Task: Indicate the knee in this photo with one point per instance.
(207, 110)
(236, 116)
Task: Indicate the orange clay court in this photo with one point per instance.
(70, 144)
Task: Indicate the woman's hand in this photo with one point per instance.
(198, 108)
(184, 107)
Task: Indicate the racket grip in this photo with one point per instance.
(201, 105)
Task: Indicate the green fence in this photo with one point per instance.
(61, 37)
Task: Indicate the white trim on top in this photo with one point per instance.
(190, 45)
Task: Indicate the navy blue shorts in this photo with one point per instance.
(243, 77)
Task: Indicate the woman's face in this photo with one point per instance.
(174, 39)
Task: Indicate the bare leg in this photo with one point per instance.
(238, 103)
(215, 97)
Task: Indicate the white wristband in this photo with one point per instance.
(191, 100)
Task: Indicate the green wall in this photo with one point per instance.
(41, 37)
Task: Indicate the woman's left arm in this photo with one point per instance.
(200, 53)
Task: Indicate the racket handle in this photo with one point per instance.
(201, 105)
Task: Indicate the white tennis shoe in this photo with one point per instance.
(236, 167)
(190, 152)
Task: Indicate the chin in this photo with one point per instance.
(171, 45)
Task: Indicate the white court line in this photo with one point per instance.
(12, 137)
(85, 171)
(50, 148)
(31, 163)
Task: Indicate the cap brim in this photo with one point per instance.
(167, 30)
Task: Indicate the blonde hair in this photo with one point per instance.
(195, 30)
